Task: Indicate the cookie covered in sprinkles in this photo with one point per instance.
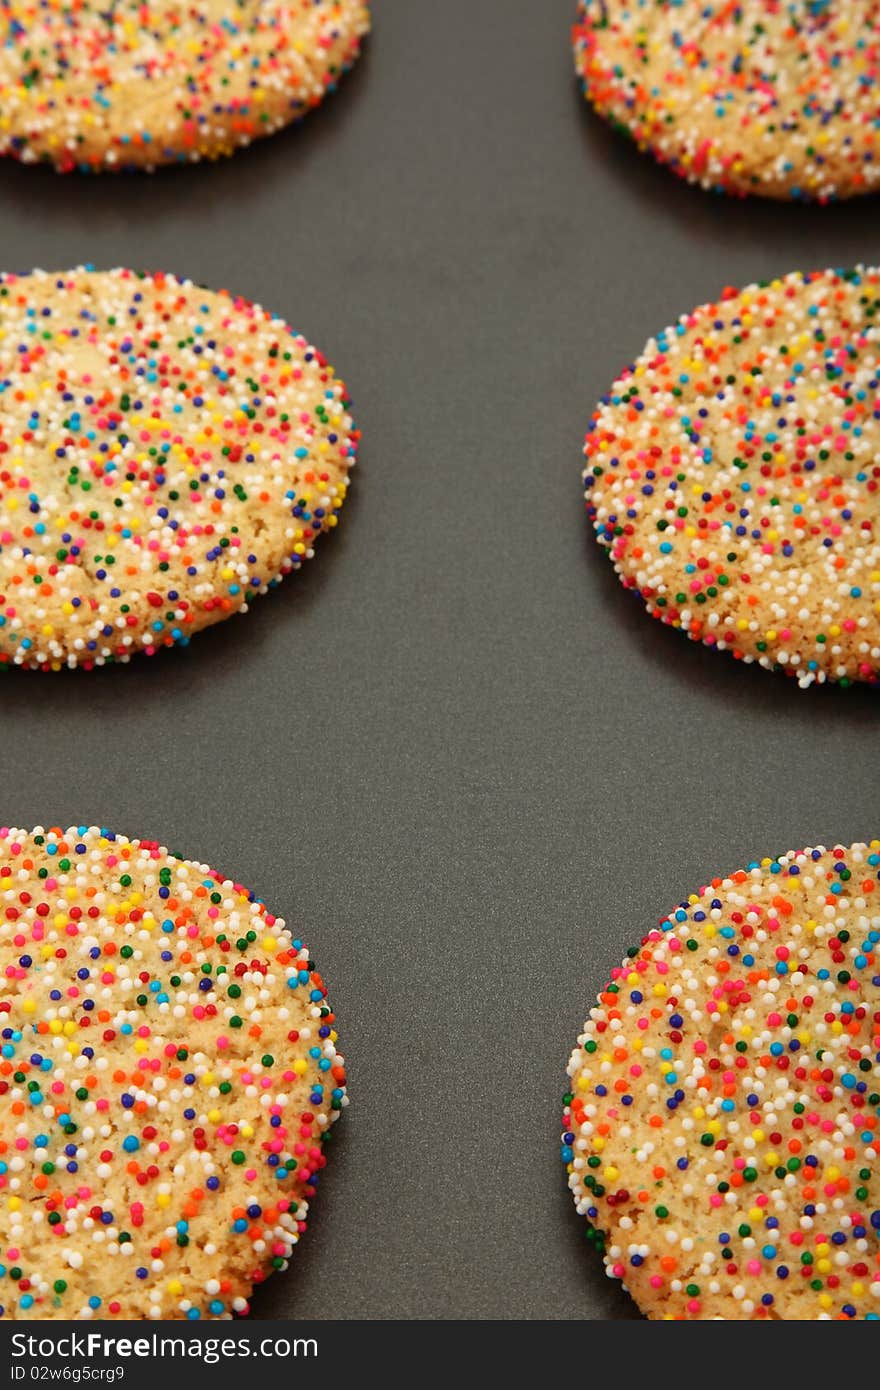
(721, 1127)
(772, 97)
(166, 454)
(168, 1078)
(130, 85)
(720, 1132)
(732, 475)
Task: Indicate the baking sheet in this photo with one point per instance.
(453, 752)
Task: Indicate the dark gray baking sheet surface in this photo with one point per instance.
(453, 752)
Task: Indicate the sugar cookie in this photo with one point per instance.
(166, 454)
(168, 1077)
(732, 475)
(741, 96)
(721, 1130)
(125, 86)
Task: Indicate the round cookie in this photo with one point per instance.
(732, 475)
(166, 454)
(127, 86)
(741, 96)
(721, 1131)
(168, 1077)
